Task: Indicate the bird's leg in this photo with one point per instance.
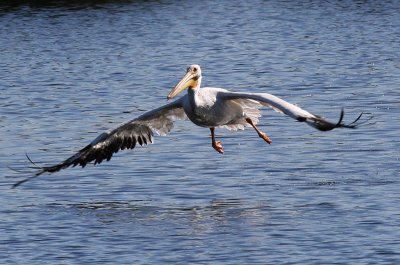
(216, 144)
(260, 133)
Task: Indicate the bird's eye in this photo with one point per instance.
(195, 69)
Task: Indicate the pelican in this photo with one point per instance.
(207, 107)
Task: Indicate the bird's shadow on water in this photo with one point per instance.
(215, 212)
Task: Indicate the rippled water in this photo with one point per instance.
(69, 71)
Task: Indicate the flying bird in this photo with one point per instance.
(207, 107)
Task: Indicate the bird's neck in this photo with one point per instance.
(193, 96)
(196, 85)
(193, 91)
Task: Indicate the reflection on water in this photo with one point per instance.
(218, 210)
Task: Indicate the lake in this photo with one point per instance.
(71, 69)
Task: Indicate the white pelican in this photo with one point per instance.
(206, 107)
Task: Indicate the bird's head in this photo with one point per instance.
(191, 80)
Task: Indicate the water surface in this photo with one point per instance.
(69, 71)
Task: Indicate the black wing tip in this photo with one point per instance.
(323, 125)
(354, 124)
(40, 169)
(18, 183)
(15, 185)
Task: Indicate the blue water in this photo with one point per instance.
(68, 71)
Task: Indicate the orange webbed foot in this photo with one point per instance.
(217, 145)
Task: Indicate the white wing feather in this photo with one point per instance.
(289, 109)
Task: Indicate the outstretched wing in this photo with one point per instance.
(291, 110)
(127, 135)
